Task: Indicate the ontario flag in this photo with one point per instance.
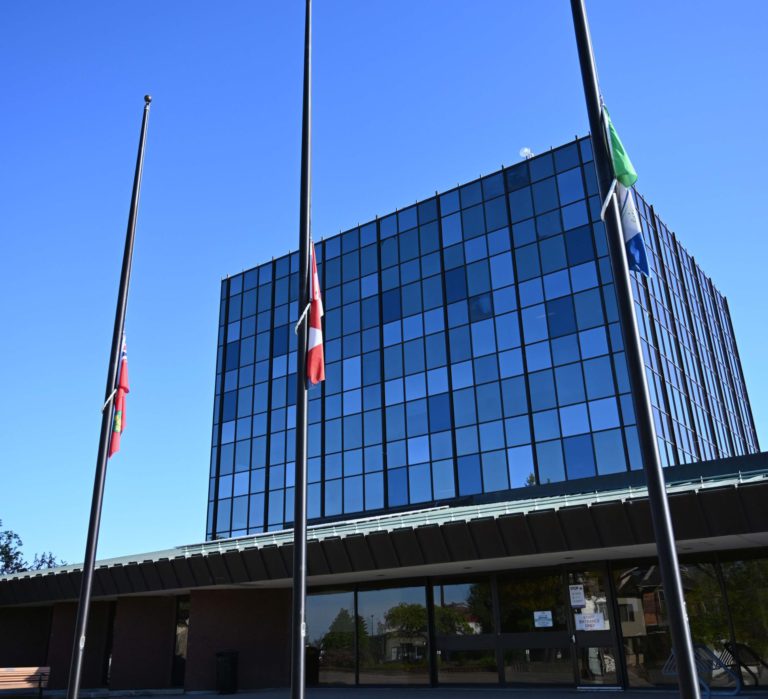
(315, 357)
(118, 422)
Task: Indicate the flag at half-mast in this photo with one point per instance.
(315, 355)
(625, 176)
(118, 421)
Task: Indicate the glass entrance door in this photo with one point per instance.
(534, 634)
(592, 628)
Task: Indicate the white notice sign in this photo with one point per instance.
(589, 622)
(542, 619)
(578, 600)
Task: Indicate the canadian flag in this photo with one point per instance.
(315, 357)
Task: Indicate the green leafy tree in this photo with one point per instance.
(12, 558)
(450, 621)
(338, 643)
(480, 606)
(363, 636)
(747, 585)
(706, 607)
(46, 560)
(340, 632)
(407, 619)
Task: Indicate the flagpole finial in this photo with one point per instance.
(147, 99)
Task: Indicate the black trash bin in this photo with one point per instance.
(226, 672)
(313, 666)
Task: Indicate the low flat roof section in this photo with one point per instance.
(716, 513)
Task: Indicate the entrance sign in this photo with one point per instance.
(543, 619)
(578, 599)
(590, 622)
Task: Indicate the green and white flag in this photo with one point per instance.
(624, 177)
(623, 170)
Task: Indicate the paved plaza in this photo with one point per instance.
(402, 693)
(460, 692)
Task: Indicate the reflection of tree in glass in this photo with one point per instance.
(747, 587)
(480, 606)
(337, 646)
(468, 612)
(407, 620)
(704, 601)
(450, 621)
(519, 597)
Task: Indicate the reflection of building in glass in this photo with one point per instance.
(478, 510)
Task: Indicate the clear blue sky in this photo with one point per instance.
(409, 98)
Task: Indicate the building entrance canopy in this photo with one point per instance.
(723, 511)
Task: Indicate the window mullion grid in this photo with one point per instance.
(727, 364)
(322, 394)
(718, 370)
(215, 523)
(382, 369)
(692, 426)
(686, 299)
(268, 445)
(612, 354)
(713, 359)
(748, 405)
(447, 336)
(644, 287)
(524, 359)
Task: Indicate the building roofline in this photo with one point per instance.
(728, 509)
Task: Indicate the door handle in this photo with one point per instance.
(573, 638)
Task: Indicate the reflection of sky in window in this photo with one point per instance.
(389, 295)
(376, 603)
(323, 609)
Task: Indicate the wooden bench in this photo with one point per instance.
(24, 678)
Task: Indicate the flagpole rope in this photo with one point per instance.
(606, 133)
(108, 401)
(608, 199)
(301, 318)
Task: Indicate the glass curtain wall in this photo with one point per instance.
(331, 638)
(394, 644)
(728, 612)
(472, 348)
(464, 632)
(746, 586)
(179, 665)
(535, 639)
(591, 625)
(590, 603)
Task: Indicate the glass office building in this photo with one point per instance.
(478, 509)
(473, 352)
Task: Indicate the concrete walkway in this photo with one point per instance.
(394, 691)
(459, 692)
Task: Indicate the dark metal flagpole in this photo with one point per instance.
(78, 649)
(299, 622)
(657, 495)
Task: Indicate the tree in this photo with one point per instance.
(12, 558)
(450, 621)
(340, 634)
(480, 606)
(407, 619)
(338, 644)
(46, 560)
